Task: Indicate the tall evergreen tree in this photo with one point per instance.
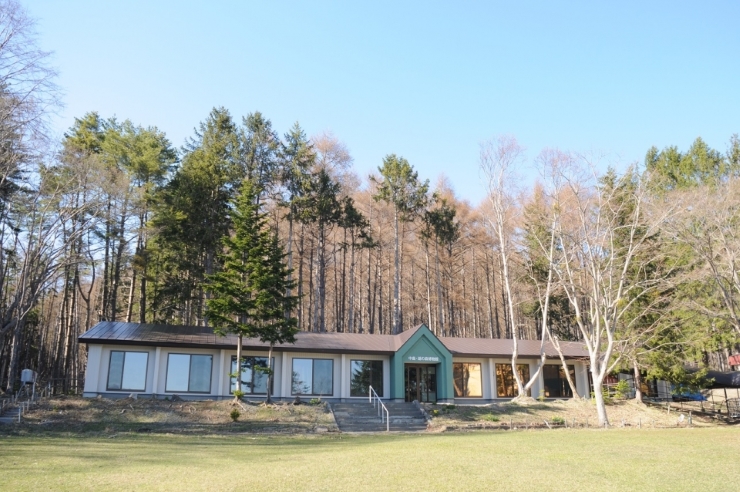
(249, 291)
(191, 215)
(401, 188)
(320, 206)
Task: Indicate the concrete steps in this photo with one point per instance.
(360, 416)
(10, 415)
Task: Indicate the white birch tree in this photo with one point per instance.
(500, 159)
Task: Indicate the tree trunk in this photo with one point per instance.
(130, 308)
(397, 277)
(268, 400)
(118, 261)
(637, 381)
(440, 300)
(429, 293)
(239, 365)
(351, 316)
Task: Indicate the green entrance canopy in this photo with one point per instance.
(422, 348)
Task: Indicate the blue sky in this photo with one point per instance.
(425, 80)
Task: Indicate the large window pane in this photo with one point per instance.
(366, 373)
(467, 380)
(254, 380)
(323, 376)
(127, 371)
(313, 377)
(115, 370)
(259, 378)
(178, 367)
(475, 381)
(555, 381)
(200, 373)
(505, 383)
(134, 371)
(302, 377)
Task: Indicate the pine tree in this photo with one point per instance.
(249, 291)
(402, 189)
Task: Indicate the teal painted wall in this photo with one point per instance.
(422, 348)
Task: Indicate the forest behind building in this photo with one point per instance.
(113, 222)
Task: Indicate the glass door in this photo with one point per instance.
(428, 384)
(421, 383)
(412, 383)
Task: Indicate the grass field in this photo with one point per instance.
(671, 459)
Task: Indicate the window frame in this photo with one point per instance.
(498, 386)
(190, 365)
(123, 369)
(564, 386)
(272, 366)
(313, 372)
(480, 372)
(382, 377)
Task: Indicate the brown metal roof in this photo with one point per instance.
(118, 333)
(503, 347)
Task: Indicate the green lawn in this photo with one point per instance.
(681, 459)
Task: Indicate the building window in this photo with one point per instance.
(505, 383)
(254, 375)
(188, 373)
(313, 377)
(556, 384)
(366, 373)
(467, 380)
(127, 371)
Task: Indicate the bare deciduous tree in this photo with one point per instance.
(499, 160)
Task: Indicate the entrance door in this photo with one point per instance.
(421, 383)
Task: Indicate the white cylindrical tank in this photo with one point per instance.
(28, 376)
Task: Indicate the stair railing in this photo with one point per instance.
(382, 409)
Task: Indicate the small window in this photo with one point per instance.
(505, 383)
(188, 373)
(127, 371)
(254, 377)
(313, 377)
(467, 380)
(366, 373)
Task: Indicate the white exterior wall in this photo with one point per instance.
(156, 375)
(584, 391)
(96, 376)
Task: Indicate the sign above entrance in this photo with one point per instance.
(414, 358)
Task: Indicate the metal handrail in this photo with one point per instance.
(373, 397)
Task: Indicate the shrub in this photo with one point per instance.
(234, 415)
(490, 417)
(449, 407)
(435, 413)
(557, 420)
(604, 395)
(238, 394)
(315, 401)
(621, 390)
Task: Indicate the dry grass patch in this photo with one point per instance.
(571, 413)
(103, 415)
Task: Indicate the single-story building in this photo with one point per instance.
(193, 362)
